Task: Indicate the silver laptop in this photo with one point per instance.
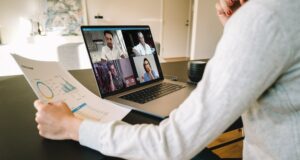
(127, 69)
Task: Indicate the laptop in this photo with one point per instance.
(127, 69)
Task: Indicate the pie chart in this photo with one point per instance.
(44, 90)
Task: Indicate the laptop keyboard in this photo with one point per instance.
(152, 93)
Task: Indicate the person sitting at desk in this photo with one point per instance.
(142, 48)
(255, 72)
(149, 73)
(110, 51)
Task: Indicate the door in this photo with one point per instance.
(176, 28)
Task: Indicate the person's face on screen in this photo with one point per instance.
(109, 40)
(147, 66)
(141, 38)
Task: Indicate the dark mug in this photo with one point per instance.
(196, 70)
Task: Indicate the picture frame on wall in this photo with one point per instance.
(64, 17)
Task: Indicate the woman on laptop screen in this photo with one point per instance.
(149, 73)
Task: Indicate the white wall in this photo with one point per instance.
(206, 31)
(15, 33)
(132, 12)
(11, 12)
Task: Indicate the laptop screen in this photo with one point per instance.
(122, 57)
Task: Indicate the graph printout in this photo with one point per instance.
(52, 83)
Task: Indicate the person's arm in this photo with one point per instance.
(111, 82)
(149, 50)
(103, 54)
(150, 74)
(135, 51)
(249, 58)
(121, 53)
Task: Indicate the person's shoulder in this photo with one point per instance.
(250, 12)
(105, 47)
(147, 45)
(139, 45)
(253, 18)
(117, 49)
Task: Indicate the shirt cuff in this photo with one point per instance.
(90, 134)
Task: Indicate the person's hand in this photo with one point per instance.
(151, 75)
(110, 75)
(56, 121)
(225, 8)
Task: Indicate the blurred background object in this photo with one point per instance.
(196, 70)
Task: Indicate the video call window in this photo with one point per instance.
(105, 45)
(139, 42)
(121, 57)
(146, 68)
(114, 75)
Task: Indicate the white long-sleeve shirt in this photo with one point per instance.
(111, 54)
(255, 72)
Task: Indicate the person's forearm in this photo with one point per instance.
(228, 88)
(151, 75)
(112, 85)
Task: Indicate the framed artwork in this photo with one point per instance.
(64, 17)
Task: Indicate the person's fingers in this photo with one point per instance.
(61, 103)
(39, 127)
(41, 133)
(41, 118)
(38, 105)
(225, 6)
(221, 14)
(230, 2)
(36, 119)
(220, 10)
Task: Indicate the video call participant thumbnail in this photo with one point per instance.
(138, 42)
(116, 81)
(142, 48)
(114, 75)
(146, 68)
(109, 79)
(149, 73)
(111, 51)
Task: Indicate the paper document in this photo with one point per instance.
(52, 83)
